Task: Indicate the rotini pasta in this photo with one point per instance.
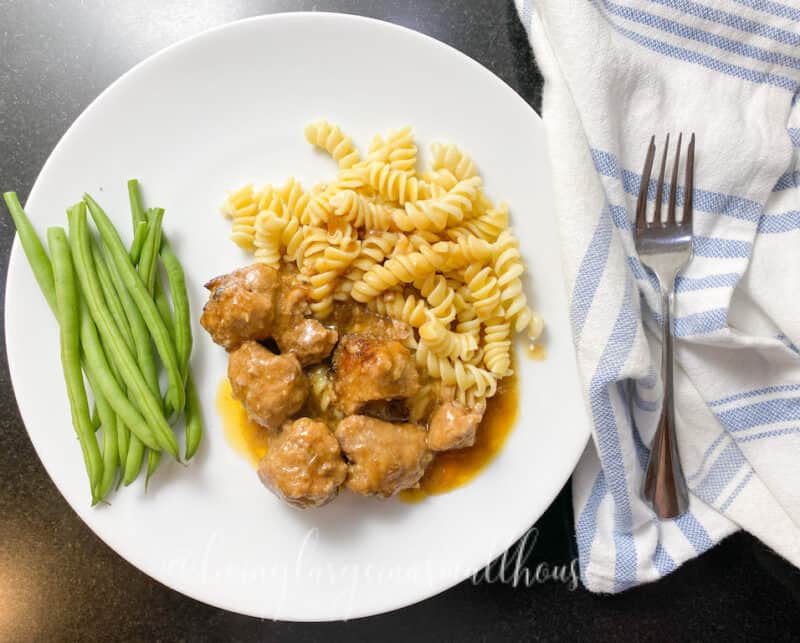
(399, 269)
(331, 139)
(395, 185)
(436, 214)
(397, 150)
(356, 209)
(450, 157)
(428, 249)
(241, 206)
(267, 239)
(321, 390)
(446, 342)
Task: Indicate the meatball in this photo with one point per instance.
(270, 387)
(453, 426)
(384, 457)
(304, 465)
(359, 320)
(308, 340)
(367, 368)
(295, 333)
(241, 306)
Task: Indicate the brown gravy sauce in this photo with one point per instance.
(448, 471)
(453, 469)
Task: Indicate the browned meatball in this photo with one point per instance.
(384, 457)
(241, 306)
(304, 465)
(308, 340)
(367, 368)
(270, 387)
(453, 426)
(295, 333)
(361, 321)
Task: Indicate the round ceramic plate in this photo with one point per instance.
(228, 107)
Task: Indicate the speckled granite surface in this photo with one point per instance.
(59, 582)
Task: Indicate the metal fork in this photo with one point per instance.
(665, 248)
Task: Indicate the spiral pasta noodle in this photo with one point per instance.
(446, 342)
(333, 140)
(438, 213)
(449, 157)
(320, 387)
(397, 150)
(427, 248)
(359, 211)
(399, 269)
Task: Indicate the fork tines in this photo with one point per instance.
(688, 186)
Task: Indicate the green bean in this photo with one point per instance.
(148, 261)
(164, 309)
(34, 250)
(67, 303)
(133, 464)
(134, 448)
(110, 294)
(194, 418)
(133, 282)
(135, 198)
(123, 432)
(119, 352)
(139, 236)
(124, 438)
(95, 417)
(97, 363)
(108, 421)
(180, 303)
(153, 460)
(141, 336)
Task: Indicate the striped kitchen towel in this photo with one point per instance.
(616, 72)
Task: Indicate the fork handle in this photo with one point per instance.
(664, 483)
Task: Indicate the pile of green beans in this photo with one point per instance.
(119, 324)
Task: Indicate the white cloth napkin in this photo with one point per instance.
(617, 72)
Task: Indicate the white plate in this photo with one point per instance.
(227, 107)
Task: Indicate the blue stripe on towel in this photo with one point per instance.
(794, 135)
(787, 181)
(723, 280)
(719, 475)
(607, 434)
(775, 8)
(732, 20)
(721, 248)
(775, 433)
(705, 37)
(702, 323)
(663, 561)
(777, 223)
(782, 388)
(687, 55)
(589, 274)
(704, 200)
(694, 532)
(760, 414)
(734, 494)
(586, 526)
(619, 216)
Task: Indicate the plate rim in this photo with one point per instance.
(14, 258)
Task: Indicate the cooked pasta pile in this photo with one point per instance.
(427, 248)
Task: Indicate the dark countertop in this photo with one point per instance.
(59, 582)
